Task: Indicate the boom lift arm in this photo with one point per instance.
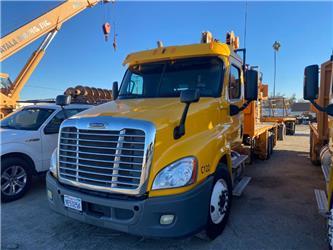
(48, 23)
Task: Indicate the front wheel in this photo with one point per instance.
(220, 203)
(15, 179)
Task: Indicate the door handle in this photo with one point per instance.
(32, 140)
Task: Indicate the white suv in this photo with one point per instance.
(28, 138)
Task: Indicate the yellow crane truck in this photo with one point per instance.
(161, 159)
(321, 133)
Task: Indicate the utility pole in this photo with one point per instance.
(276, 47)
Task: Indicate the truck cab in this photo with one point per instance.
(320, 94)
(160, 159)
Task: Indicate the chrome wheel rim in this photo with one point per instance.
(13, 180)
(330, 227)
(219, 201)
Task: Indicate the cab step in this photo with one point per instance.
(238, 161)
(241, 185)
(326, 172)
(321, 199)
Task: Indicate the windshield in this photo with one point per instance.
(27, 119)
(169, 78)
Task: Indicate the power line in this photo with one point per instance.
(41, 87)
(245, 23)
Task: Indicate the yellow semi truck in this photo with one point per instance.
(321, 133)
(162, 159)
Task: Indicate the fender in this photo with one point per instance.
(22, 148)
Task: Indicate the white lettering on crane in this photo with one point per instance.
(77, 4)
(25, 35)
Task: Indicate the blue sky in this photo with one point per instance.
(79, 54)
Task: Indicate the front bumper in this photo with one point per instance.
(138, 217)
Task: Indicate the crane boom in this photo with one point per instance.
(52, 20)
(48, 23)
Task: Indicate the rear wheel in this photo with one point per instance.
(269, 148)
(15, 178)
(292, 132)
(272, 144)
(220, 203)
(313, 158)
(290, 128)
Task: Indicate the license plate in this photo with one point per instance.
(73, 202)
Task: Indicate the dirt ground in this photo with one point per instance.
(277, 211)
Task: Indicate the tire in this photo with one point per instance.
(314, 162)
(269, 148)
(294, 129)
(290, 128)
(217, 220)
(16, 178)
(330, 221)
(272, 144)
(252, 155)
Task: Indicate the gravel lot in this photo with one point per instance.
(277, 211)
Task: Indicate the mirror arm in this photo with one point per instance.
(179, 131)
(244, 106)
(317, 106)
(234, 110)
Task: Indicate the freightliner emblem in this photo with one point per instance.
(96, 125)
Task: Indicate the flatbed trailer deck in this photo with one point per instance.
(260, 136)
(274, 106)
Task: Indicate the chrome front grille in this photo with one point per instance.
(102, 159)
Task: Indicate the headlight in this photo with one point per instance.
(53, 163)
(178, 174)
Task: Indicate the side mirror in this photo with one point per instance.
(186, 96)
(63, 100)
(311, 80)
(251, 91)
(251, 85)
(115, 91)
(189, 96)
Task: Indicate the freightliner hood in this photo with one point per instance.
(201, 131)
(162, 112)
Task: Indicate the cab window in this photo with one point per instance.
(234, 83)
(136, 85)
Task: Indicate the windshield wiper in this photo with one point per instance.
(130, 95)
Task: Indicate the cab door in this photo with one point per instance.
(235, 97)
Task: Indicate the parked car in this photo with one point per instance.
(28, 138)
